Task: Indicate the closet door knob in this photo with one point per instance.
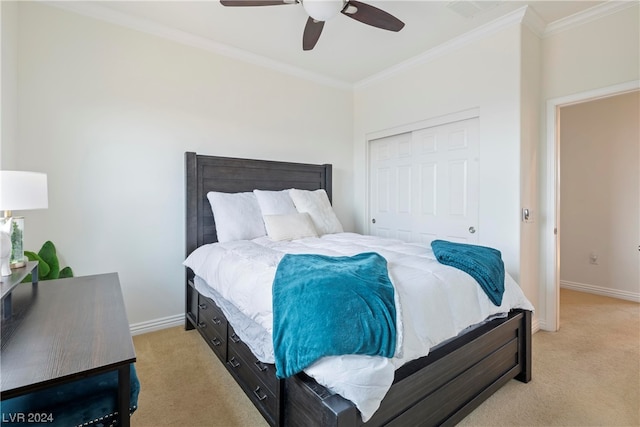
(472, 229)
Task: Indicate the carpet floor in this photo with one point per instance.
(586, 374)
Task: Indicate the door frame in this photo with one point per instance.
(470, 113)
(551, 227)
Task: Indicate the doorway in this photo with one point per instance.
(551, 234)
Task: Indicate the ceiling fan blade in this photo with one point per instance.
(312, 32)
(256, 2)
(371, 15)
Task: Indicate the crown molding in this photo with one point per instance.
(146, 26)
(534, 22)
(589, 15)
(523, 15)
(508, 20)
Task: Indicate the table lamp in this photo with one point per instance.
(19, 190)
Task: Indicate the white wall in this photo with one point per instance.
(531, 81)
(108, 112)
(592, 55)
(600, 188)
(483, 74)
(8, 84)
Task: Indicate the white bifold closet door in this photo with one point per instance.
(423, 185)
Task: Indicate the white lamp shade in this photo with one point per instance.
(20, 190)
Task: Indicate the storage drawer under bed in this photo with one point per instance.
(213, 326)
(265, 372)
(257, 378)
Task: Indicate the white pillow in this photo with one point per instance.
(275, 202)
(290, 226)
(237, 216)
(316, 204)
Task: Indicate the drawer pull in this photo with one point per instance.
(235, 338)
(202, 306)
(257, 391)
(215, 341)
(261, 366)
(216, 321)
(233, 362)
(202, 325)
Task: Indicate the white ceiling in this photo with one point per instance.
(348, 51)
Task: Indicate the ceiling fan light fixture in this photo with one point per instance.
(322, 10)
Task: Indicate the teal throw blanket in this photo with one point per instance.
(483, 264)
(328, 306)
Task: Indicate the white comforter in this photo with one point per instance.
(434, 303)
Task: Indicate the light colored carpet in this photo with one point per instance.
(182, 383)
(587, 374)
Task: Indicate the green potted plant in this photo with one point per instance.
(48, 263)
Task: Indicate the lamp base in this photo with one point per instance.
(4, 267)
(18, 264)
(5, 253)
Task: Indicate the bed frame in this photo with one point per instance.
(439, 389)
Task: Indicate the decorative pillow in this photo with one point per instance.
(290, 226)
(316, 204)
(237, 216)
(275, 202)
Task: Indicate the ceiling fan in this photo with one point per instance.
(320, 11)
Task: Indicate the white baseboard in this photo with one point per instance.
(535, 326)
(157, 324)
(599, 290)
(542, 326)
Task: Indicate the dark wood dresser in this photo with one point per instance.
(67, 329)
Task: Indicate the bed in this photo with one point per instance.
(438, 389)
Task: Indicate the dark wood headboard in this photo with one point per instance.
(233, 175)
